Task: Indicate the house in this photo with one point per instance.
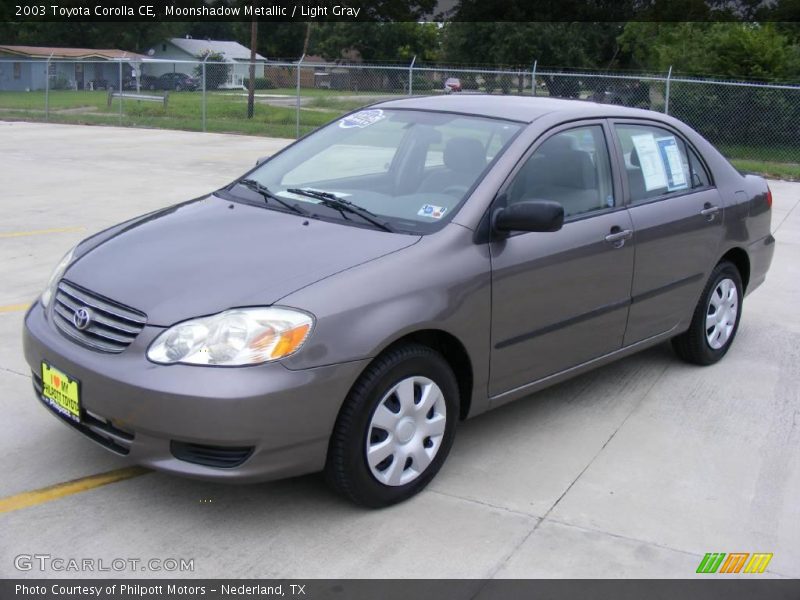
(284, 75)
(236, 56)
(23, 68)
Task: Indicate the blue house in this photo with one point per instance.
(24, 68)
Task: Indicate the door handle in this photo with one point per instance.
(618, 236)
(709, 211)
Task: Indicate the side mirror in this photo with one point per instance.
(261, 160)
(529, 215)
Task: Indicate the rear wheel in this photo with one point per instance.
(395, 428)
(715, 320)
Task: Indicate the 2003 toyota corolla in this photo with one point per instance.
(344, 304)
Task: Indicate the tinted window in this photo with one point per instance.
(655, 161)
(412, 168)
(700, 176)
(364, 153)
(571, 167)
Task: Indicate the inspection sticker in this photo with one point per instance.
(432, 211)
(362, 119)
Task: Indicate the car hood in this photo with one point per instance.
(209, 255)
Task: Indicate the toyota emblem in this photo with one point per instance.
(82, 318)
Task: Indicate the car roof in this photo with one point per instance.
(525, 109)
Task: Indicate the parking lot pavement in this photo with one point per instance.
(633, 470)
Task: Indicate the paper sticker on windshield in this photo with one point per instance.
(432, 211)
(650, 161)
(362, 119)
(671, 157)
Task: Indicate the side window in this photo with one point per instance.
(655, 161)
(700, 176)
(572, 168)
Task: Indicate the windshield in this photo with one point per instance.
(409, 169)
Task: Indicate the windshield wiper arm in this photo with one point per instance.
(264, 191)
(342, 205)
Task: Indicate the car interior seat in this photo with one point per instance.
(464, 159)
(562, 173)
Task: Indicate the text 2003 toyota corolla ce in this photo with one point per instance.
(344, 304)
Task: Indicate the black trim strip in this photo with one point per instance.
(596, 312)
(666, 288)
(561, 324)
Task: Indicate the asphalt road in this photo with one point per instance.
(634, 470)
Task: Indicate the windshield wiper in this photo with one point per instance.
(342, 205)
(264, 191)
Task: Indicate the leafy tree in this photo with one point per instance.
(388, 42)
(133, 36)
(217, 70)
(578, 45)
(729, 50)
(517, 45)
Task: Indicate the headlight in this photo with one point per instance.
(242, 336)
(58, 272)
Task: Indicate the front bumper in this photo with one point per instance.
(148, 412)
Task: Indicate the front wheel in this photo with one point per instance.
(395, 428)
(715, 320)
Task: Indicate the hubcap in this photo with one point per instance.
(721, 314)
(406, 431)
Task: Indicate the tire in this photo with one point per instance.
(371, 403)
(705, 343)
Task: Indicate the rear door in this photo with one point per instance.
(677, 220)
(561, 298)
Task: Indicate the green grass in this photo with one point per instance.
(323, 92)
(771, 153)
(774, 170)
(225, 112)
(337, 104)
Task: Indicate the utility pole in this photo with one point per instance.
(251, 87)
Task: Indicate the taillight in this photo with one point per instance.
(769, 197)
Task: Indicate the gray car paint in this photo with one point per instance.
(519, 308)
(216, 254)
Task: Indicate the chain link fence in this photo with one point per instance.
(747, 121)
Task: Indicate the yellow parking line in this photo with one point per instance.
(11, 234)
(60, 490)
(13, 307)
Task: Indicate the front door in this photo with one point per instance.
(560, 299)
(79, 76)
(677, 221)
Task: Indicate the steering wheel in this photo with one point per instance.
(455, 190)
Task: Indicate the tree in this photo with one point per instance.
(574, 45)
(728, 50)
(216, 69)
(386, 42)
(517, 45)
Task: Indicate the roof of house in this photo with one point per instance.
(231, 51)
(75, 53)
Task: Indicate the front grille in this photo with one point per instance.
(221, 457)
(113, 326)
(97, 428)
